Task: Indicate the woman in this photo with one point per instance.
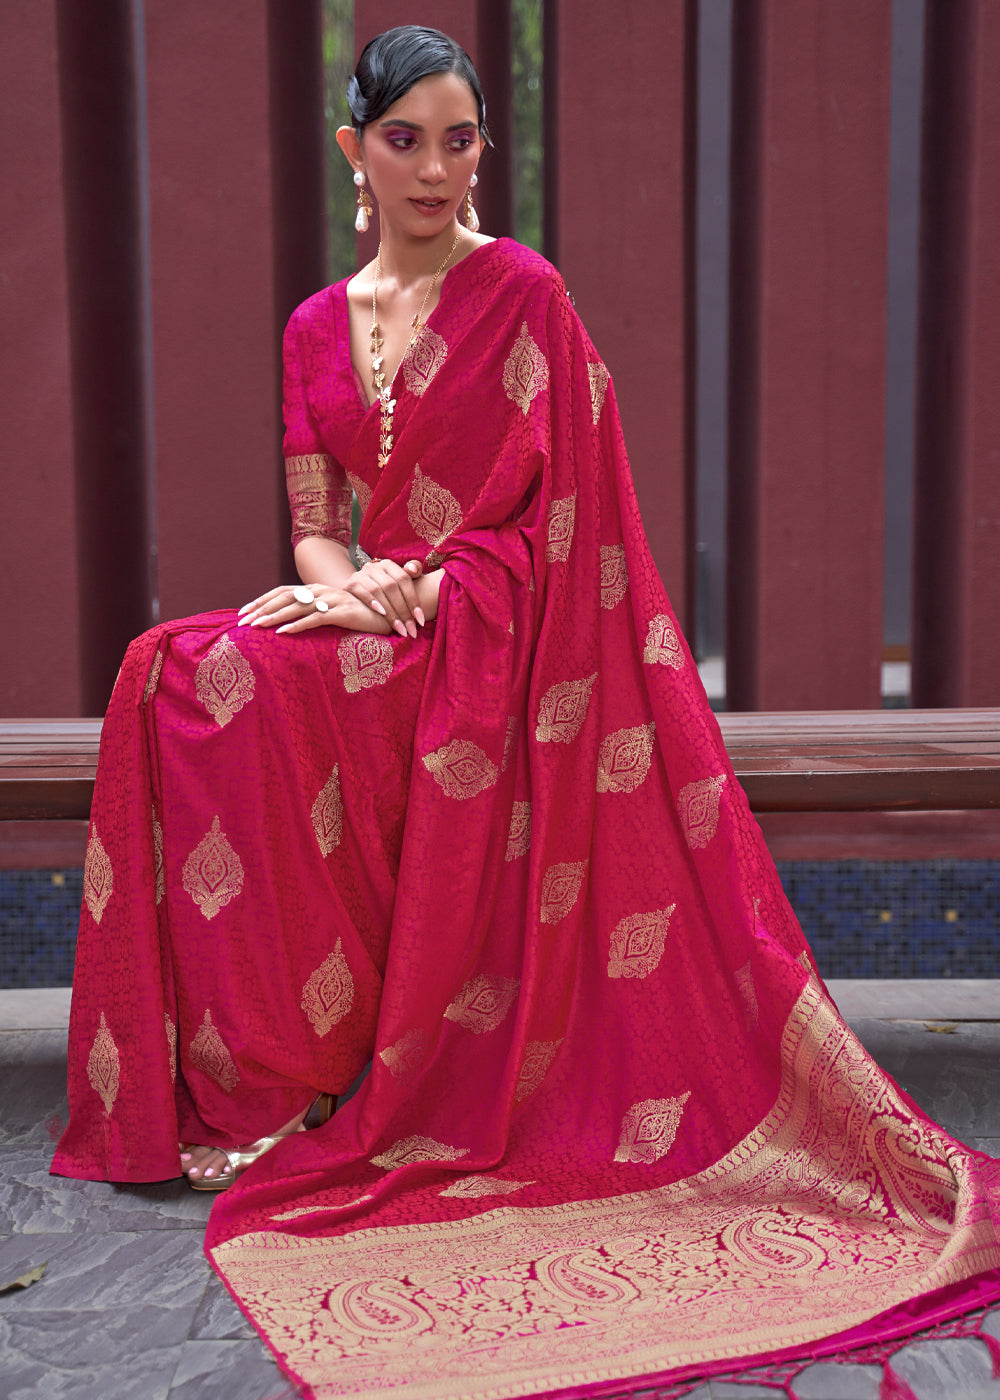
(465, 813)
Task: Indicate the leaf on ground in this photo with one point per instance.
(26, 1280)
(941, 1027)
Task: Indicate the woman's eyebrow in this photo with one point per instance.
(415, 126)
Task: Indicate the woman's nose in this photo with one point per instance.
(432, 171)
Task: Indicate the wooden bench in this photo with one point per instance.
(793, 761)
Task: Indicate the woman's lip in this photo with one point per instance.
(429, 206)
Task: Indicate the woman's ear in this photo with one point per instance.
(347, 140)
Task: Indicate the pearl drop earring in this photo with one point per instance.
(365, 206)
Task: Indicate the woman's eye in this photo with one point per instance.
(401, 141)
(460, 143)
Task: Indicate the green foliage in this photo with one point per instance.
(526, 59)
(338, 65)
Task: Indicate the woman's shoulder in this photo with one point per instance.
(523, 265)
(316, 312)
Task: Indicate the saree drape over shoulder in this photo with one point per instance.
(614, 1126)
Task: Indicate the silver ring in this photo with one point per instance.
(322, 605)
(303, 595)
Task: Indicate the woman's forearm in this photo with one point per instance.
(319, 560)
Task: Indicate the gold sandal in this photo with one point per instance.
(239, 1158)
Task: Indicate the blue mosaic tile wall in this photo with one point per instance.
(863, 919)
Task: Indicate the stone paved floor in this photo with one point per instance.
(129, 1310)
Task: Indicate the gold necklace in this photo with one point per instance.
(387, 405)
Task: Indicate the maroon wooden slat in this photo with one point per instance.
(809, 225)
(956, 584)
(39, 673)
(619, 211)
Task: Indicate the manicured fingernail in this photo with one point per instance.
(411, 627)
(378, 607)
(209, 1171)
(399, 627)
(287, 628)
(245, 608)
(243, 621)
(418, 613)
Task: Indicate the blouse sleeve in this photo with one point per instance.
(319, 493)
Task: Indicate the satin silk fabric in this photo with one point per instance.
(614, 1126)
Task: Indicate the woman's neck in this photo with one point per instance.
(406, 261)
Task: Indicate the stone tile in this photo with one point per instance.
(831, 1380)
(990, 1145)
(218, 1319)
(147, 1376)
(952, 1077)
(208, 1370)
(32, 1083)
(957, 1369)
(733, 1390)
(33, 1202)
(96, 1273)
(953, 999)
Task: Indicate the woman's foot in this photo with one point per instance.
(210, 1168)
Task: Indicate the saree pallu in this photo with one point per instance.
(614, 1127)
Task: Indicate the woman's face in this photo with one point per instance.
(422, 153)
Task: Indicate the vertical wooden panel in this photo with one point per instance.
(216, 345)
(482, 27)
(956, 638)
(38, 564)
(103, 243)
(298, 169)
(618, 225)
(807, 344)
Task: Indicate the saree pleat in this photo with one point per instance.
(614, 1126)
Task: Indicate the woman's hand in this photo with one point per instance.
(296, 608)
(390, 590)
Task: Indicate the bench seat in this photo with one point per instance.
(787, 761)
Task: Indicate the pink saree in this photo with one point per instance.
(614, 1127)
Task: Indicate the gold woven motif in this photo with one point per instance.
(224, 681)
(538, 1056)
(526, 373)
(637, 943)
(365, 660)
(213, 872)
(417, 1149)
(614, 575)
(329, 994)
(153, 679)
(319, 497)
(663, 646)
(432, 510)
(363, 492)
(483, 1003)
(624, 758)
(422, 361)
(562, 515)
(158, 871)
(837, 1206)
(599, 378)
(519, 835)
(469, 1188)
(98, 877)
(748, 993)
(408, 1053)
(562, 710)
(561, 889)
(104, 1066)
(328, 813)
(171, 1034)
(210, 1054)
(461, 769)
(649, 1128)
(510, 740)
(698, 808)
